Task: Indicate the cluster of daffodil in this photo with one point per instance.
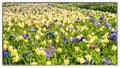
(29, 28)
(12, 50)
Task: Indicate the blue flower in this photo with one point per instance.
(61, 25)
(48, 55)
(86, 61)
(108, 25)
(107, 60)
(81, 39)
(101, 18)
(62, 34)
(79, 31)
(27, 53)
(5, 53)
(94, 21)
(71, 28)
(32, 30)
(66, 39)
(113, 36)
(25, 36)
(74, 39)
(49, 33)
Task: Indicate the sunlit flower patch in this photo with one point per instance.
(55, 34)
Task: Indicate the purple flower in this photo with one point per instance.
(79, 31)
(5, 53)
(113, 36)
(107, 60)
(27, 53)
(74, 39)
(61, 25)
(66, 39)
(32, 30)
(49, 33)
(81, 39)
(25, 36)
(86, 61)
(48, 55)
(71, 28)
(62, 34)
(108, 25)
(94, 21)
(101, 18)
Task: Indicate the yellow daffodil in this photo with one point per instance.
(13, 52)
(56, 33)
(26, 40)
(62, 30)
(103, 44)
(40, 52)
(76, 49)
(24, 32)
(48, 63)
(91, 41)
(37, 50)
(66, 33)
(105, 41)
(44, 29)
(16, 58)
(88, 57)
(5, 46)
(10, 24)
(114, 48)
(19, 38)
(97, 50)
(88, 45)
(50, 41)
(59, 50)
(41, 34)
(37, 37)
(66, 61)
(57, 40)
(85, 27)
(92, 33)
(44, 42)
(10, 48)
(21, 25)
(101, 28)
(13, 30)
(34, 63)
(80, 60)
(66, 28)
(8, 29)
